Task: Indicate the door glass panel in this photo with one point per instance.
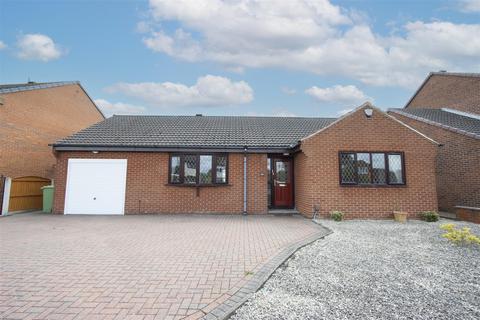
(190, 169)
(282, 171)
(363, 168)
(205, 169)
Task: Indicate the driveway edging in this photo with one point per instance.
(231, 304)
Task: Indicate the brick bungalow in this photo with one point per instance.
(365, 163)
(32, 115)
(446, 108)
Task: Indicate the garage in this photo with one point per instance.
(96, 186)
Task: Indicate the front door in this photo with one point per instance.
(282, 183)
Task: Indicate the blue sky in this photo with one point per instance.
(241, 57)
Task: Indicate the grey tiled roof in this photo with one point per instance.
(9, 88)
(196, 131)
(448, 120)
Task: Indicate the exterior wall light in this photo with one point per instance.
(368, 112)
(95, 152)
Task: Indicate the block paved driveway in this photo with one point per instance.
(133, 267)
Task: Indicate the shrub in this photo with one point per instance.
(461, 236)
(429, 216)
(336, 215)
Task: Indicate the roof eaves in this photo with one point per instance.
(456, 74)
(236, 149)
(29, 87)
(434, 123)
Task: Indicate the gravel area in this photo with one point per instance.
(374, 270)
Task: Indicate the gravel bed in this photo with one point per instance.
(374, 270)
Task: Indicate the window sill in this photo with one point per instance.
(197, 185)
(374, 185)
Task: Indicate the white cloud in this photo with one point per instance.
(143, 27)
(275, 113)
(2, 45)
(346, 95)
(469, 6)
(208, 91)
(38, 47)
(310, 35)
(289, 91)
(109, 108)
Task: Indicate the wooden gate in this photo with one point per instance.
(25, 193)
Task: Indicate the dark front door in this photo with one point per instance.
(282, 183)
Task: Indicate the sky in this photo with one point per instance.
(314, 58)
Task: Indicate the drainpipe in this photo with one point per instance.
(245, 181)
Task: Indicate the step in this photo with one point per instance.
(283, 212)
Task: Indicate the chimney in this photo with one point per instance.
(199, 115)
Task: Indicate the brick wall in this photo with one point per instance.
(30, 120)
(257, 185)
(448, 91)
(317, 169)
(457, 166)
(147, 190)
(468, 214)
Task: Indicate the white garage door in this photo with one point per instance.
(95, 186)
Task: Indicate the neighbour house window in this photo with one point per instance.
(372, 168)
(198, 169)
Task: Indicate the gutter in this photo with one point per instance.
(66, 147)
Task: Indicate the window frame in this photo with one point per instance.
(371, 184)
(197, 155)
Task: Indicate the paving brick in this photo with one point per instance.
(135, 267)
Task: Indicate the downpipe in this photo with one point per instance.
(245, 182)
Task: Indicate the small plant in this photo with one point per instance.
(429, 216)
(248, 273)
(461, 236)
(336, 215)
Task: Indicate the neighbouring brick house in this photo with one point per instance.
(365, 163)
(32, 116)
(446, 108)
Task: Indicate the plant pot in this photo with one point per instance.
(400, 216)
